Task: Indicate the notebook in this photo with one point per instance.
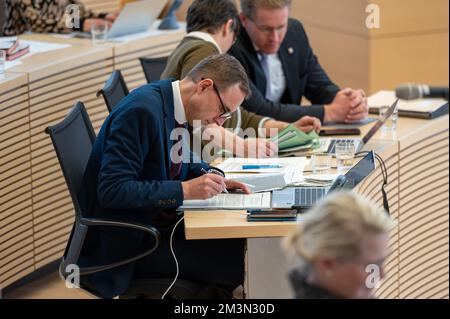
(421, 108)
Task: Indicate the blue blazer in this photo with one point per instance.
(304, 77)
(128, 178)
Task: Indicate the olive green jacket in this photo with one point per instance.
(185, 57)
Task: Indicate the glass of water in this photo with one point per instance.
(321, 163)
(2, 62)
(345, 154)
(391, 123)
(99, 32)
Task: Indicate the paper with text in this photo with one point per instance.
(230, 202)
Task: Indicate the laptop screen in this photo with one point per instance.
(360, 171)
(379, 123)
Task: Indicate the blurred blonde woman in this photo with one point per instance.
(342, 245)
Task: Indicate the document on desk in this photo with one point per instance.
(267, 182)
(386, 98)
(263, 165)
(42, 47)
(230, 202)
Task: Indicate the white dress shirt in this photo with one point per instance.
(180, 113)
(276, 80)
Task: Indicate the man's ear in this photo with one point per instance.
(204, 85)
(227, 27)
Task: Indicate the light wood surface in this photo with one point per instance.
(102, 6)
(16, 226)
(411, 44)
(126, 54)
(36, 210)
(417, 161)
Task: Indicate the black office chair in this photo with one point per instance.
(114, 91)
(76, 129)
(153, 67)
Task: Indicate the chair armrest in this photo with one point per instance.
(89, 222)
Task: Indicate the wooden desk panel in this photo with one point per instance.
(16, 227)
(424, 211)
(101, 6)
(50, 101)
(56, 81)
(418, 167)
(37, 212)
(126, 54)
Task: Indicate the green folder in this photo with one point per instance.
(292, 139)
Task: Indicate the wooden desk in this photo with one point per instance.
(36, 213)
(16, 222)
(126, 54)
(418, 165)
(55, 81)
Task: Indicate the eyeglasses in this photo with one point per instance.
(270, 30)
(226, 115)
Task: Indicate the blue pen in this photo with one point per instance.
(248, 167)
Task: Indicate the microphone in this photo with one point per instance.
(410, 91)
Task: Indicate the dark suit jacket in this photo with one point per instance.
(304, 77)
(128, 178)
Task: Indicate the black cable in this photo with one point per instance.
(385, 175)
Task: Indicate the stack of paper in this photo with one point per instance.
(34, 47)
(14, 48)
(267, 174)
(292, 139)
(230, 202)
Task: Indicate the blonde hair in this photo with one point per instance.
(249, 6)
(336, 227)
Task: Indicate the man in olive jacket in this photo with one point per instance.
(212, 29)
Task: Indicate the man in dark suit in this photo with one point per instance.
(137, 173)
(282, 67)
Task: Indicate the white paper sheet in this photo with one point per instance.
(290, 164)
(42, 47)
(230, 202)
(12, 64)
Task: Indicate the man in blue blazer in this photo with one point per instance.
(135, 174)
(282, 68)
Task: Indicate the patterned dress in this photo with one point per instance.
(41, 16)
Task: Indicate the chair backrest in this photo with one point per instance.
(153, 67)
(72, 140)
(115, 90)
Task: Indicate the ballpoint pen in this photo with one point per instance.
(249, 167)
(204, 171)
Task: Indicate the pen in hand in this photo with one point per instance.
(204, 172)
